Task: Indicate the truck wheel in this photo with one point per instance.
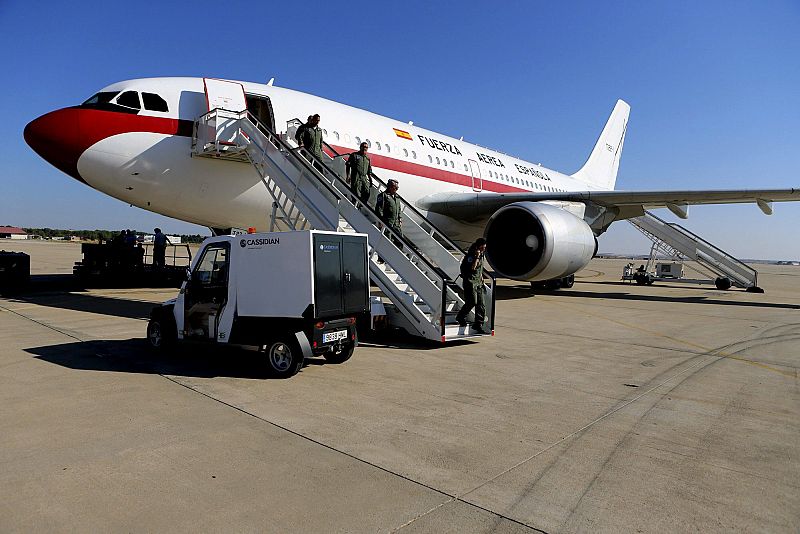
(160, 334)
(284, 358)
(342, 355)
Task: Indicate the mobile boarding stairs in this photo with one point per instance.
(679, 244)
(419, 277)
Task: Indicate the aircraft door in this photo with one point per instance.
(260, 107)
(227, 96)
(477, 181)
(207, 292)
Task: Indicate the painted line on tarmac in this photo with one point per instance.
(451, 498)
(722, 354)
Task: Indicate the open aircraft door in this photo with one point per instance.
(228, 96)
(477, 181)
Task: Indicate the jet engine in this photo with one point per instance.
(535, 241)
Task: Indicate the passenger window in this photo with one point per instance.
(153, 102)
(452, 165)
(430, 158)
(369, 143)
(465, 167)
(358, 141)
(405, 152)
(414, 154)
(437, 160)
(325, 132)
(347, 138)
(336, 135)
(378, 145)
(129, 99)
(387, 148)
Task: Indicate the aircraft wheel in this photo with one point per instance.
(723, 283)
(284, 358)
(568, 281)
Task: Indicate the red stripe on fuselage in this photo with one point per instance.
(416, 169)
(62, 136)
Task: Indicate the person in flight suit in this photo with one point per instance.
(359, 169)
(388, 208)
(298, 135)
(472, 276)
(311, 138)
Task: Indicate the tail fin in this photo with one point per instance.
(600, 170)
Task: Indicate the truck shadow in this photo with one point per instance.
(134, 356)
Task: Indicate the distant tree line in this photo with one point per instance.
(95, 235)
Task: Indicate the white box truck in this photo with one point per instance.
(291, 294)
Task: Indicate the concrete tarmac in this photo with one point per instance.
(605, 408)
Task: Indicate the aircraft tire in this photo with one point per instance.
(568, 282)
(723, 283)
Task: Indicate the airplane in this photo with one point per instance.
(132, 141)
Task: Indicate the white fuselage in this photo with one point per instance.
(151, 166)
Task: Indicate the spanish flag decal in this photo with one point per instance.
(403, 134)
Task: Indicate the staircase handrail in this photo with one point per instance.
(440, 235)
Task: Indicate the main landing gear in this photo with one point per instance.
(557, 283)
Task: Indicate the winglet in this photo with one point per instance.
(600, 170)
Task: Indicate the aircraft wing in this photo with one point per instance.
(476, 206)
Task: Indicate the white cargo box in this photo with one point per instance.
(296, 274)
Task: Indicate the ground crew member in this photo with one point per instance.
(472, 280)
(311, 139)
(159, 247)
(359, 169)
(388, 208)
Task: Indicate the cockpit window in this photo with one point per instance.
(153, 102)
(129, 99)
(103, 97)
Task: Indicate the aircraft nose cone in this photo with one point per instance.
(55, 136)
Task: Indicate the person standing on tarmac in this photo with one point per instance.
(159, 247)
(359, 169)
(311, 139)
(472, 277)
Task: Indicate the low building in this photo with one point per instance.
(12, 232)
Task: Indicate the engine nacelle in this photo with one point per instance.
(536, 241)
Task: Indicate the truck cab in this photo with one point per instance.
(292, 295)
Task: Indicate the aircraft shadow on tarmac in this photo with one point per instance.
(85, 302)
(520, 292)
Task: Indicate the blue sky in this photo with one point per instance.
(713, 88)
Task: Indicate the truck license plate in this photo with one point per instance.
(327, 337)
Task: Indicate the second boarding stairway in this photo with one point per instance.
(417, 271)
(679, 243)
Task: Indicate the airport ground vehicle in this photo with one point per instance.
(115, 264)
(291, 294)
